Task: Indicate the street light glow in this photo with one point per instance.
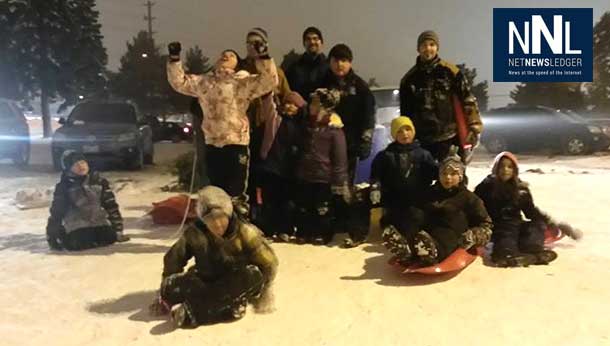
(144, 55)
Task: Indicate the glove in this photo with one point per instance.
(375, 195)
(174, 49)
(55, 235)
(476, 236)
(343, 191)
(467, 240)
(262, 49)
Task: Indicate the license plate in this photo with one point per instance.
(91, 148)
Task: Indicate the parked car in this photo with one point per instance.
(520, 128)
(175, 128)
(105, 130)
(14, 133)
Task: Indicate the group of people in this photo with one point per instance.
(281, 151)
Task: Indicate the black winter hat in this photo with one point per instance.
(69, 158)
(313, 30)
(341, 51)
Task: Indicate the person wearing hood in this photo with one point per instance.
(84, 211)
(321, 170)
(224, 97)
(426, 95)
(517, 242)
(307, 73)
(453, 217)
(234, 265)
(400, 174)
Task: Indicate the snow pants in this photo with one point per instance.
(212, 301)
(278, 208)
(314, 211)
(228, 169)
(513, 238)
(87, 238)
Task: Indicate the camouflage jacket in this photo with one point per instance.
(224, 98)
(426, 93)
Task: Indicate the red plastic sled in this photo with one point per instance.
(458, 260)
(171, 211)
(552, 234)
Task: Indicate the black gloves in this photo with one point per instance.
(55, 235)
(174, 50)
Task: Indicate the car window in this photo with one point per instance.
(6, 112)
(387, 98)
(103, 113)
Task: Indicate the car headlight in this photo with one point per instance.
(595, 130)
(127, 137)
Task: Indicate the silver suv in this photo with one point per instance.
(105, 130)
(14, 133)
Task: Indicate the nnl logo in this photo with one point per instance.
(539, 28)
(543, 45)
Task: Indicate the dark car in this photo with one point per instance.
(519, 128)
(14, 133)
(175, 128)
(105, 130)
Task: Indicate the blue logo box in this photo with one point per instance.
(543, 44)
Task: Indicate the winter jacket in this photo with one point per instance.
(457, 209)
(242, 243)
(506, 201)
(324, 155)
(224, 98)
(82, 202)
(284, 152)
(402, 172)
(307, 74)
(426, 96)
(356, 109)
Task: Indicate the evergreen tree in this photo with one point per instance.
(554, 95)
(196, 62)
(51, 49)
(479, 90)
(372, 83)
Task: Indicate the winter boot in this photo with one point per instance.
(544, 256)
(180, 316)
(397, 244)
(514, 260)
(425, 247)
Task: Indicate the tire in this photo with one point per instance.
(574, 145)
(21, 158)
(496, 145)
(137, 161)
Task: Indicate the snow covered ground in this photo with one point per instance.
(324, 295)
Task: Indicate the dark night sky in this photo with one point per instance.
(382, 34)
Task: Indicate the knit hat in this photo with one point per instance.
(329, 98)
(69, 158)
(213, 199)
(258, 32)
(427, 35)
(499, 157)
(313, 30)
(398, 123)
(340, 52)
(453, 161)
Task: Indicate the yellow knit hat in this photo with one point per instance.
(399, 122)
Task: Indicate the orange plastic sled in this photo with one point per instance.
(552, 234)
(458, 260)
(171, 211)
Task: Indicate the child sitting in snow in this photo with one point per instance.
(234, 265)
(400, 174)
(322, 169)
(453, 217)
(516, 242)
(84, 212)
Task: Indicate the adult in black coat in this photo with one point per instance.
(307, 73)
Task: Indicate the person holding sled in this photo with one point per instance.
(321, 170)
(224, 97)
(517, 242)
(84, 211)
(428, 92)
(400, 175)
(453, 217)
(234, 266)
